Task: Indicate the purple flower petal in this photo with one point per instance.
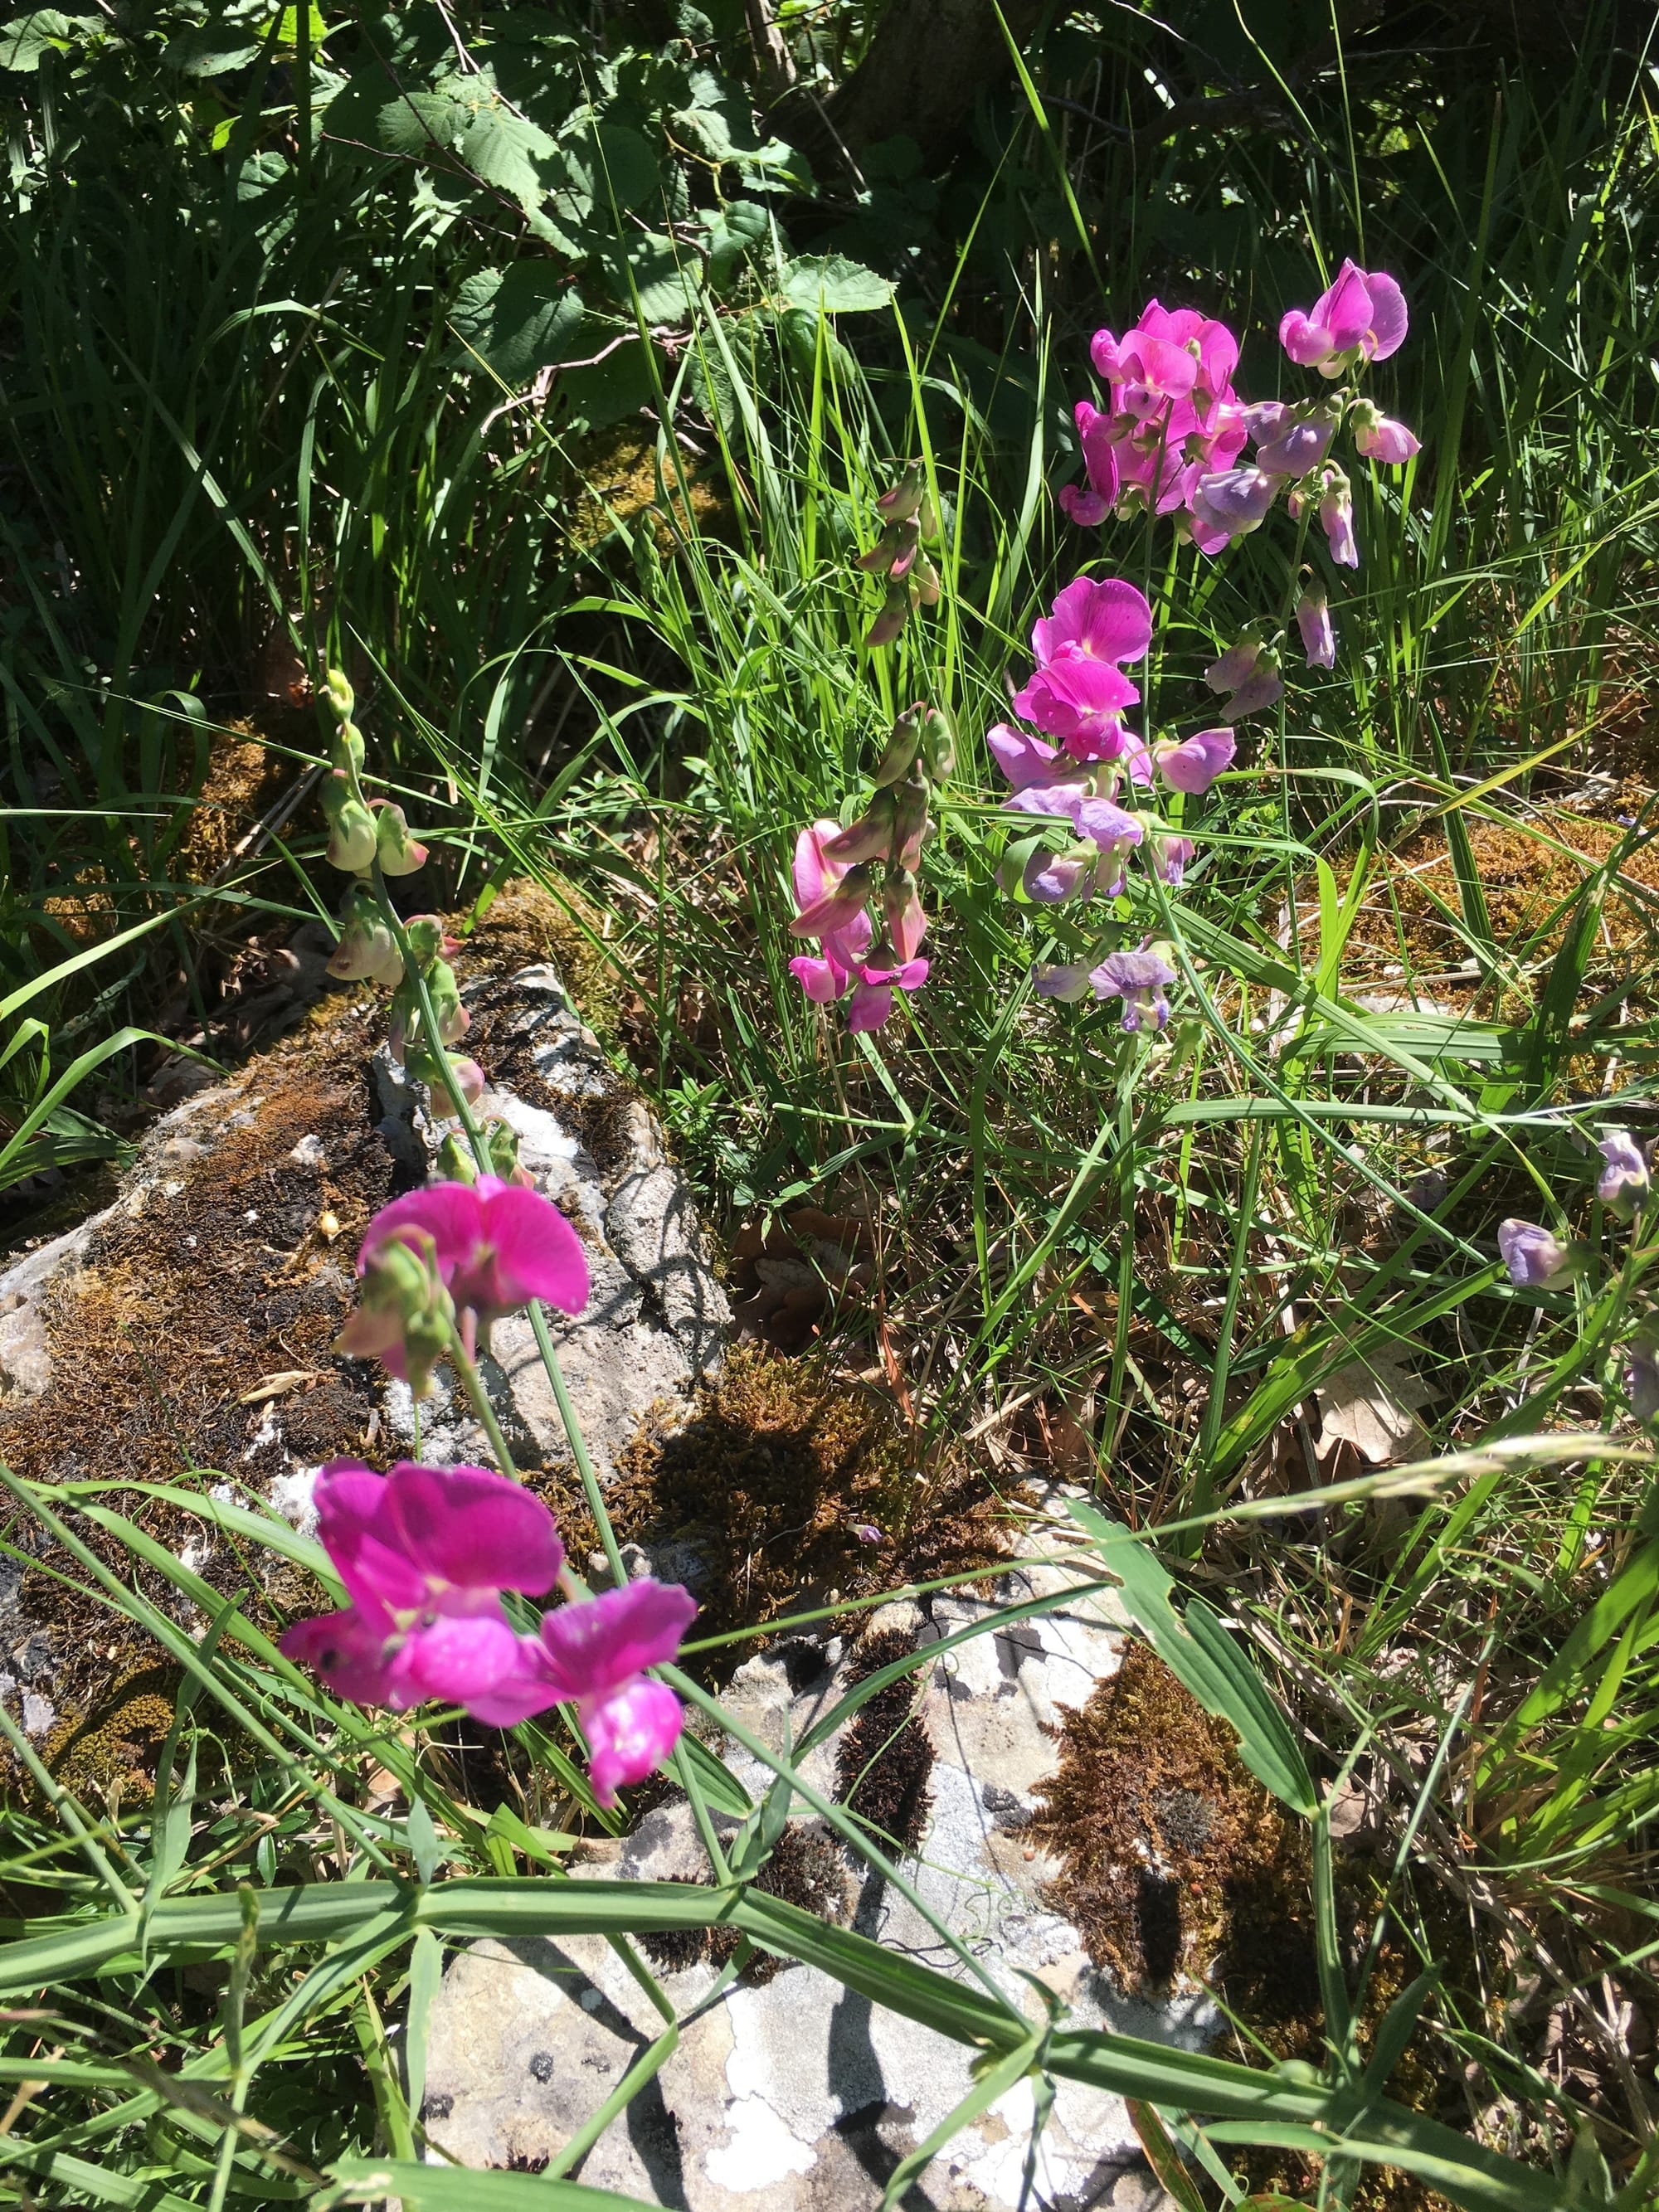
(472, 1529)
(629, 1735)
(594, 1647)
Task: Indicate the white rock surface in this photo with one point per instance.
(800, 2095)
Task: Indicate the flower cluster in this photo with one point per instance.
(362, 834)
(836, 886)
(443, 1263)
(1173, 440)
(425, 1554)
(1537, 1260)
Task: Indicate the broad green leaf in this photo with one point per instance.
(212, 49)
(1202, 1655)
(834, 285)
(661, 277)
(521, 318)
(43, 30)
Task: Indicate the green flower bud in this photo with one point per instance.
(938, 743)
(338, 694)
(400, 854)
(900, 750)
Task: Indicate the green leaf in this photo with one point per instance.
(1203, 1658)
(520, 320)
(736, 231)
(423, 1844)
(617, 165)
(657, 276)
(212, 49)
(718, 1784)
(834, 285)
(43, 30)
(456, 2188)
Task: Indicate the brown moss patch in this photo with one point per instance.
(768, 1482)
(526, 924)
(886, 1757)
(245, 777)
(806, 1868)
(1161, 1830)
(620, 482)
(225, 1278)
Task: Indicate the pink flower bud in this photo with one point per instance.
(1312, 619)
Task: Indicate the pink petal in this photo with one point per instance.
(823, 980)
(1389, 316)
(870, 1006)
(362, 1540)
(1306, 346)
(1086, 508)
(1023, 759)
(463, 1659)
(347, 1650)
(447, 1212)
(1345, 311)
(1194, 766)
(472, 1529)
(1103, 353)
(595, 1646)
(629, 1734)
(537, 1253)
(814, 875)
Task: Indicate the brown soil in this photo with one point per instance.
(767, 1481)
(245, 778)
(181, 1310)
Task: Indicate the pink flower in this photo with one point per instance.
(1167, 357)
(1379, 438)
(1229, 503)
(1100, 465)
(1336, 518)
(424, 1554)
(593, 1655)
(872, 993)
(1194, 763)
(843, 924)
(492, 1245)
(1167, 855)
(1078, 692)
(1312, 619)
(1114, 831)
(1298, 442)
(1361, 317)
(1028, 763)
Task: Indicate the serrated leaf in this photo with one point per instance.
(834, 285)
(649, 271)
(211, 48)
(616, 165)
(26, 38)
(520, 319)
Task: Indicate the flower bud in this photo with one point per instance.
(455, 1160)
(352, 842)
(909, 820)
(895, 613)
(427, 941)
(869, 838)
(1537, 1259)
(900, 747)
(366, 952)
(938, 743)
(502, 1143)
(403, 1303)
(1312, 619)
(452, 1016)
(397, 852)
(1625, 1181)
(902, 502)
(338, 693)
(925, 586)
(347, 752)
(907, 925)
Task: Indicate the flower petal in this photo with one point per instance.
(473, 1529)
(474, 1660)
(348, 1649)
(629, 1734)
(447, 1212)
(596, 1645)
(537, 1253)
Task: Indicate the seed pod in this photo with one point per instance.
(900, 750)
(338, 693)
(938, 743)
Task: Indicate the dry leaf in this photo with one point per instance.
(1371, 1405)
(274, 1386)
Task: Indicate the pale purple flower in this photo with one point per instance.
(1141, 979)
(1379, 438)
(1068, 980)
(1312, 619)
(1229, 504)
(593, 1655)
(1028, 763)
(1114, 832)
(1297, 442)
(1193, 764)
(1360, 317)
(1078, 692)
(1625, 1181)
(1249, 670)
(425, 1553)
(1535, 1259)
(1052, 878)
(1166, 854)
(1336, 518)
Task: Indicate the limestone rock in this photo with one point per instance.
(800, 2095)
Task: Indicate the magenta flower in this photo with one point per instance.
(1167, 357)
(425, 1553)
(1087, 507)
(846, 936)
(593, 1655)
(1625, 1181)
(1379, 438)
(1078, 692)
(1141, 979)
(1194, 763)
(1312, 619)
(493, 1246)
(1361, 317)
(1535, 1259)
(872, 1001)
(1028, 763)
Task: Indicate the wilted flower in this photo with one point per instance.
(1229, 503)
(1361, 317)
(1379, 438)
(1193, 763)
(366, 952)
(1312, 619)
(425, 1553)
(1535, 1259)
(1141, 979)
(1336, 520)
(593, 1655)
(1625, 1181)
(396, 851)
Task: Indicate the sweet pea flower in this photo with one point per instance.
(872, 1001)
(1336, 520)
(1379, 438)
(1229, 504)
(1536, 1261)
(1249, 670)
(1141, 979)
(1078, 691)
(1296, 441)
(1051, 878)
(1145, 367)
(1361, 317)
(1093, 505)
(1114, 831)
(425, 1553)
(1028, 763)
(492, 1246)
(1166, 855)
(1067, 981)
(1625, 1181)
(1312, 619)
(845, 934)
(593, 1655)
(1193, 764)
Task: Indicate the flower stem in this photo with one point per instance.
(472, 1382)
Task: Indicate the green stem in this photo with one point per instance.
(472, 1382)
